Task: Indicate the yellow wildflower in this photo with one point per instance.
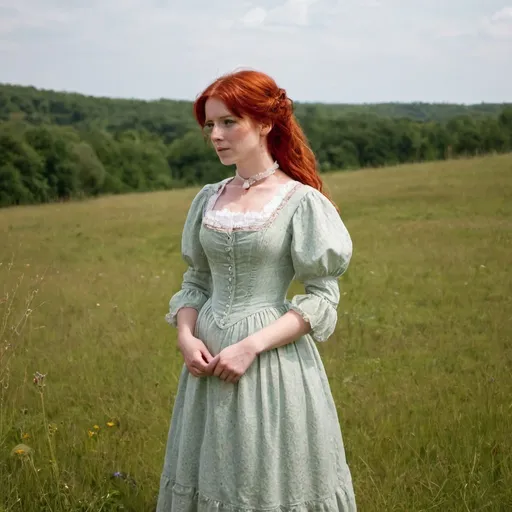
(25, 436)
(96, 427)
(110, 423)
(91, 433)
(21, 449)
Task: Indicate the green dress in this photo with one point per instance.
(271, 442)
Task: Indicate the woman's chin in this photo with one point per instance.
(226, 159)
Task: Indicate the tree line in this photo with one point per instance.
(59, 146)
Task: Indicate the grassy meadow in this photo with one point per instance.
(420, 365)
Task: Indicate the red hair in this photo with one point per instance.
(256, 95)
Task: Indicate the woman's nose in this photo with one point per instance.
(216, 133)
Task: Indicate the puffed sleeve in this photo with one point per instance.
(196, 285)
(321, 251)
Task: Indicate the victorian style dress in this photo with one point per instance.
(271, 442)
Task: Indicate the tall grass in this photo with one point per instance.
(420, 365)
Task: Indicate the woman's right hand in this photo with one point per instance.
(196, 355)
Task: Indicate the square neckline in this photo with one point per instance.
(216, 196)
(251, 220)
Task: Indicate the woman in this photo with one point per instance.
(254, 425)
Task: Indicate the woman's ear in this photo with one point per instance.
(265, 129)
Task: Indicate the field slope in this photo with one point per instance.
(420, 364)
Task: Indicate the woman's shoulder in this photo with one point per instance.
(314, 201)
(318, 228)
(218, 184)
(203, 198)
(208, 190)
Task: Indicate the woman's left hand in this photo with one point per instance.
(232, 362)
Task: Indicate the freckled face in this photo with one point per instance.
(235, 139)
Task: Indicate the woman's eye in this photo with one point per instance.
(225, 122)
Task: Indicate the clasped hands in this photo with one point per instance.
(229, 364)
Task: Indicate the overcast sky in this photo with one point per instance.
(348, 51)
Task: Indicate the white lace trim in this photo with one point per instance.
(228, 219)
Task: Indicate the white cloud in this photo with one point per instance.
(255, 16)
(292, 13)
(23, 15)
(499, 25)
(327, 50)
(132, 17)
(504, 14)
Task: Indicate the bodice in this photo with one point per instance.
(250, 257)
(250, 271)
(242, 266)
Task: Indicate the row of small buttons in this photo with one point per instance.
(229, 250)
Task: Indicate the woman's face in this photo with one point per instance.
(235, 139)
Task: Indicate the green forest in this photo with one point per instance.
(58, 146)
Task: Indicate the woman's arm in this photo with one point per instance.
(286, 329)
(186, 321)
(232, 362)
(194, 351)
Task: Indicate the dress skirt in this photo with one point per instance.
(271, 442)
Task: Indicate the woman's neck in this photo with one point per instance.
(254, 166)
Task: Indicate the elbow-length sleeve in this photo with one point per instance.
(196, 285)
(321, 250)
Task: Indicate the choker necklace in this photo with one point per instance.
(257, 177)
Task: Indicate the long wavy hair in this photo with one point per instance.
(255, 95)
